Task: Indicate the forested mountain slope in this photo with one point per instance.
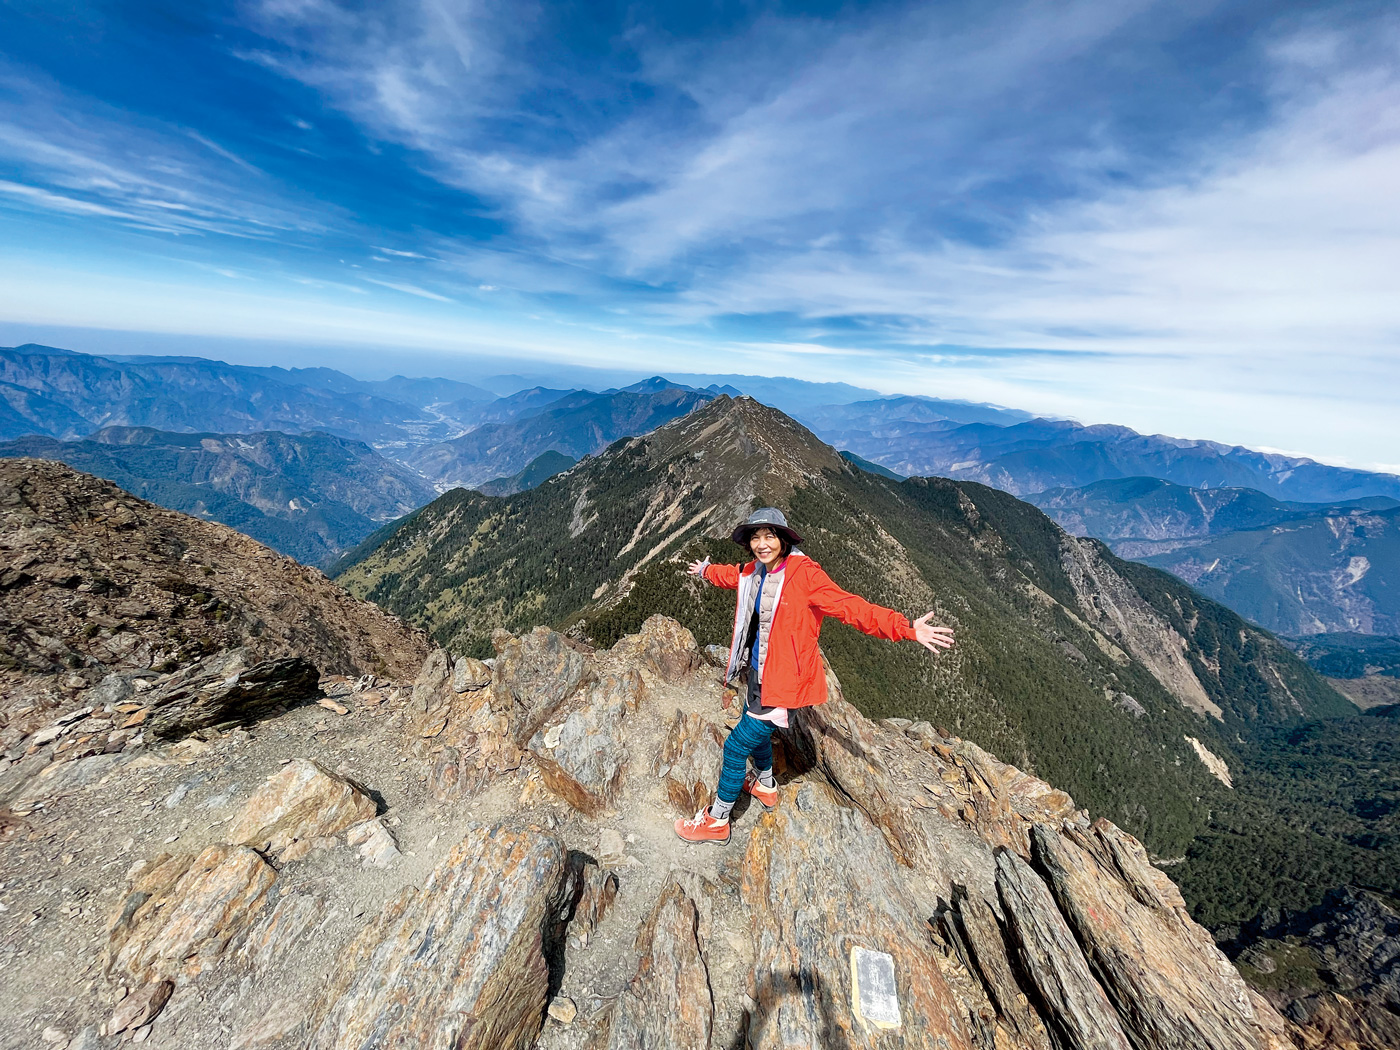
(1087, 669)
(310, 495)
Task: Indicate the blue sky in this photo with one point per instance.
(1179, 216)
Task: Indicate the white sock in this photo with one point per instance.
(719, 809)
(765, 778)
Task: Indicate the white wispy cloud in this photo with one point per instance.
(77, 155)
(409, 289)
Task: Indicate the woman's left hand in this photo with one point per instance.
(930, 637)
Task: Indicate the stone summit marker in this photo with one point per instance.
(873, 996)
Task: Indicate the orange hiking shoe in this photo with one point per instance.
(703, 828)
(768, 796)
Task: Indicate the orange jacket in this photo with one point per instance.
(792, 671)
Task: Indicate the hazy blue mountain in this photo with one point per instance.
(420, 392)
(1038, 454)
(539, 470)
(22, 411)
(310, 495)
(520, 405)
(1123, 510)
(793, 396)
(1330, 571)
(578, 424)
(860, 415)
(873, 468)
(190, 394)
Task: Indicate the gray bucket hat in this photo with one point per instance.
(772, 518)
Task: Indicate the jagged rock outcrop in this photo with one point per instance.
(301, 807)
(544, 900)
(460, 962)
(689, 761)
(181, 913)
(820, 880)
(533, 675)
(223, 691)
(668, 1002)
(582, 759)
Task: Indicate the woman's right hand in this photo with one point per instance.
(697, 568)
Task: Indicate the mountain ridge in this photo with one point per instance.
(1051, 628)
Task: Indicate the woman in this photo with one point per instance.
(783, 597)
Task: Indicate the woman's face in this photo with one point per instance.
(766, 546)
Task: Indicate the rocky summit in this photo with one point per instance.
(525, 887)
(268, 845)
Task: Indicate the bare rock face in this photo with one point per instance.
(458, 963)
(819, 880)
(840, 741)
(689, 762)
(140, 1006)
(470, 674)
(663, 647)
(1175, 988)
(302, 805)
(597, 891)
(1075, 1008)
(182, 912)
(668, 1002)
(583, 759)
(143, 587)
(534, 674)
(431, 689)
(281, 931)
(969, 926)
(222, 691)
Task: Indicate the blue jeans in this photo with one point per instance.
(751, 737)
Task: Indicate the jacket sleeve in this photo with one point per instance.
(723, 576)
(855, 611)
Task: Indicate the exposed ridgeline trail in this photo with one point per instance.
(1089, 671)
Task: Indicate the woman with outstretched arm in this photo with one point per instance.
(783, 596)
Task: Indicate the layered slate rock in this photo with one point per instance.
(583, 759)
(689, 761)
(459, 962)
(668, 1004)
(301, 806)
(470, 674)
(843, 744)
(432, 695)
(970, 928)
(534, 674)
(819, 880)
(223, 691)
(663, 647)
(182, 912)
(1075, 1008)
(1174, 988)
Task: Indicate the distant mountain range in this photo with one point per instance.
(1295, 545)
(1295, 568)
(309, 495)
(919, 436)
(58, 393)
(577, 424)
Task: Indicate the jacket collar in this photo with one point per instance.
(791, 561)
